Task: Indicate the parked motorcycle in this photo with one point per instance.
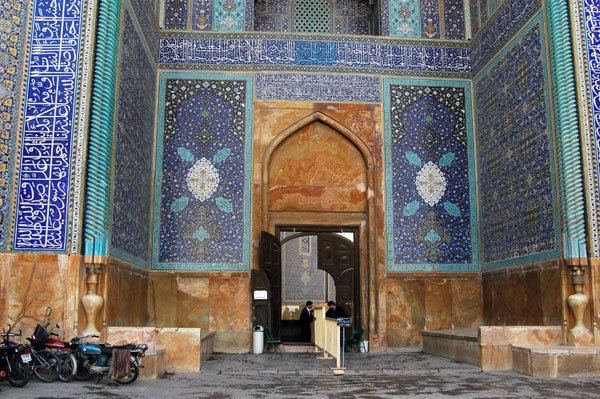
(62, 349)
(97, 359)
(14, 360)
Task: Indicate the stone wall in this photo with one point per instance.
(430, 301)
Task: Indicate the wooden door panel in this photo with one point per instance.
(270, 263)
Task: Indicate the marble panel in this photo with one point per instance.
(134, 143)
(233, 342)
(50, 104)
(162, 300)
(229, 305)
(192, 302)
(515, 298)
(203, 172)
(431, 218)
(516, 167)
(126, 300)
(405, 312)
(550, 281)
(466, 297)
(438, 304)
(533, 299)
(183, 348)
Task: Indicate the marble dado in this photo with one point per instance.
(417, 301)
(523, 295)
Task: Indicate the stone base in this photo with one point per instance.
(155, 363)
(556, 361)
(488, 347)
(296, 348)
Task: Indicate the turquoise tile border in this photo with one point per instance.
(245, 265)
(391, 266)
(538, 18)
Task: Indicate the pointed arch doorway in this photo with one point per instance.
(317, 177)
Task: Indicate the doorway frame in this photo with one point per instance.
(365, 222)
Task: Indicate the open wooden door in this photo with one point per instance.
(270, 263)
(338, 257)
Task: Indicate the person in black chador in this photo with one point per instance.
(306, 317)
(335, 311)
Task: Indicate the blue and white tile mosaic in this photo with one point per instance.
(12, 19)
(302, 87)
(474, 13)
(176, 14)
(454, 19)
(515, 154)
(431, 207)
(203, 172)
(49, 108)
(507, 20)
(202, 14)
(229, 15)
(302, 280)
(255, 53)
(148, 23)
(430, 19)
(132, 171)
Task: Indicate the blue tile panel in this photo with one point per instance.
(176, 14)
(515, 154)
(384, 19)
(591, 32)
(405, 18)
(256, 53)
(148, 23)
(13, 14)
(229, 15)
(202, 15)
(132, 173)
(474, 11)
(430, 200)
(203, 172)
(50, 104)
(430, 19)
(507, 20)
(304, 87)
(454, 19)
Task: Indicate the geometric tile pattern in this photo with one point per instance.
(431, 212)
(336, 88)
(346, 17)
(586, 15)
(203, 172)
(12, 19)
(147, 21)
(49, 106)
(132, 164)
(203, 15)
(508, 19)
(516, 170)
(258, 51)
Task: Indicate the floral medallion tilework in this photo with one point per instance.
(202, 14)
(229, 15)
(132, 176)
(176, 14)
(430, 207)
(12, 19)
(50, 107)
(514, 150)
(454, 19)
(302, 280)
(201, 204)
(430, 19)
(405, 20)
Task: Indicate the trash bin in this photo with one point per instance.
(364, 347)
(258, 338)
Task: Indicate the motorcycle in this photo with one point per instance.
(14, 360)
(62, 349)
(97, 359)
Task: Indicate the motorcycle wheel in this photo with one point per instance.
(47, 366)
(19, 377)
(82, 373)
(134, 374)
(68, 367)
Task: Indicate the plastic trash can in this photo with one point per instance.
(364, 347)
(258, 339)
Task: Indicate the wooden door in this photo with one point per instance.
(270, 263)
(338, 257)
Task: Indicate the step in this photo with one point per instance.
(556, 361)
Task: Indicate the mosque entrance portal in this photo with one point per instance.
(309, 263)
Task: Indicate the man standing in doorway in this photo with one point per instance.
(306, 318)
(335, 311)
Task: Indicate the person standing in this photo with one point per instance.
(335, 311)
(306, 318)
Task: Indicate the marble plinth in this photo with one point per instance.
(556, 361)
(155, 364)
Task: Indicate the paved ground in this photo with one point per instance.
(368, 376)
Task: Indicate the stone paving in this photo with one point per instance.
(301, 375)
